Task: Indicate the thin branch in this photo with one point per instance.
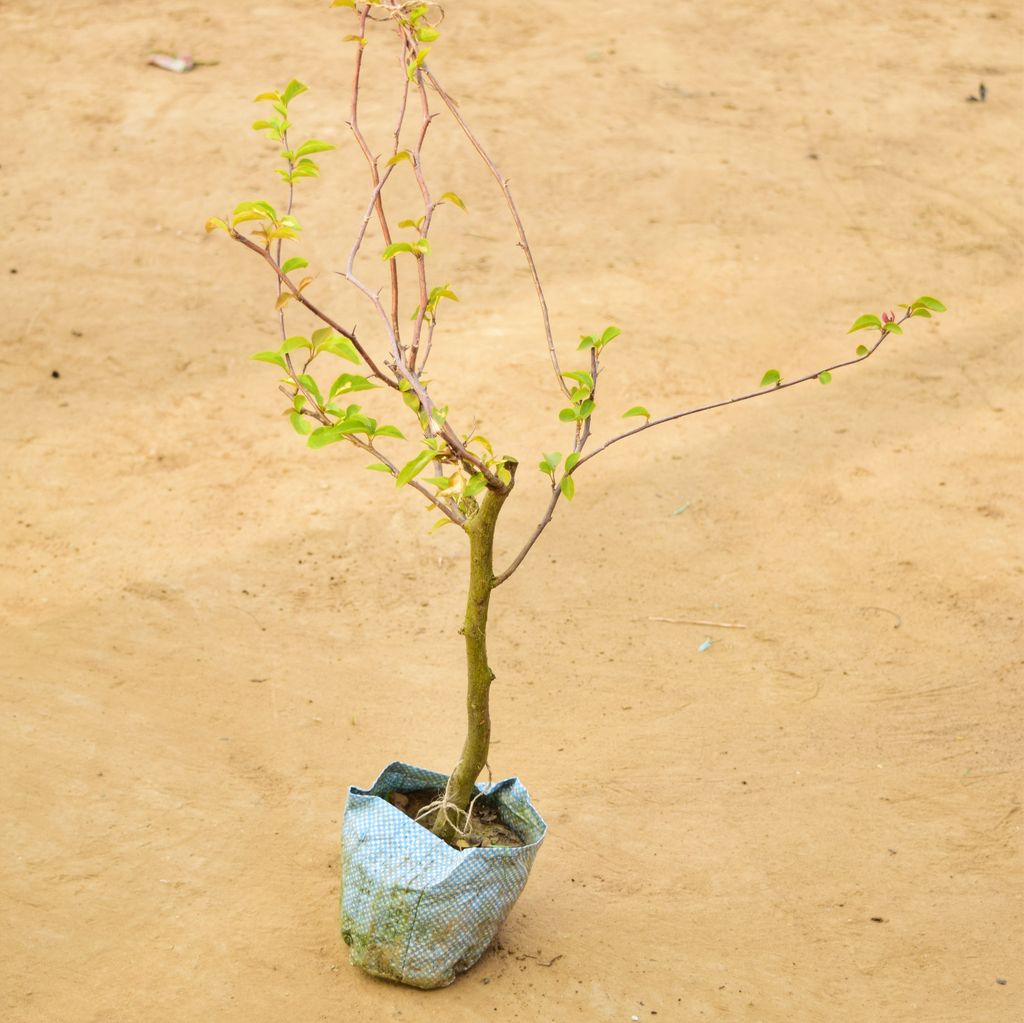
(371, 161)
(315, 310)
(732, 401)
(556, 490)
(523, 243)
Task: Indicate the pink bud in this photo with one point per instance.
(888, 317)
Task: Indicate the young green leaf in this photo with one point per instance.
(866, 322)
(569, 415)
(389, 431)
(324, 435)
(274, 96)
(340, 346)
(310, 384)
(394, 248)
(422, 246)
(893, 328)
(294, 343)
(570, 462)
(426, 34)
(215, 222)
(585, 343)
(453, 198)
(610, 334)
(587, 409)
(637, 410)
(295, 263)
(568, 487)
(416, 64)
(930, 303)
(292, 89)
(476, 483)
(313, 146)
(921, 311)
(772, 376)
(349, 382)
(413, 468)
(379, 467)
(302, 424)
(862, 350)
(585, 379)
(825, 377)
(402, 154)
(274, 357)
(354, 39)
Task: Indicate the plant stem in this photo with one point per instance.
(480, 528)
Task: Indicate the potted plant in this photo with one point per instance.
(433, 861)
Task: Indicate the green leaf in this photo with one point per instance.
(402, 154)
(610, 334)
(771, 377)
(866, 322)
(422, 246)
(292, 89)
(585, 343)
(569, 415)
(313, 146)
(267, 95)
(324, 435)
(930, 303)
(325, 340)
(295, 263)
(568, 487)
(893, 328)
(394, 248)
(426, 34)
(274, 357)
(825, 377)
(570, 462)
(310, 384)
(347, 383)
(921, 311)
(637, 410)
(413, 468)
(583, 378)
(862, 350)
(213, 223)
(441, 482)
(294, 343)
(302, 424)
(305, 169)
(550, 461)
(416, 64)
(343, 3)
(453, 198)
(578, 394)
(354, 39)
(411, 223)
(379, 467)
(587, 409)
(389, 431)
(476, 483)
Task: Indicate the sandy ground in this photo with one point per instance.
(209, 631)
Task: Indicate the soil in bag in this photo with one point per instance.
(485, 828)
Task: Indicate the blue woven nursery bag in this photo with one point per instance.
(413, 909)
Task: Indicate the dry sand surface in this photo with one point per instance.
(209, 631)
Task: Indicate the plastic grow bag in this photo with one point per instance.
(413, 909)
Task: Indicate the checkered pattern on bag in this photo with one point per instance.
(413, 909)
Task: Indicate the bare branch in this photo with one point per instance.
(315, 310)
(371, 161)
(732, 401)
(556, 489)
(523, 243)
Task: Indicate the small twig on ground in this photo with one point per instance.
(697, 621)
